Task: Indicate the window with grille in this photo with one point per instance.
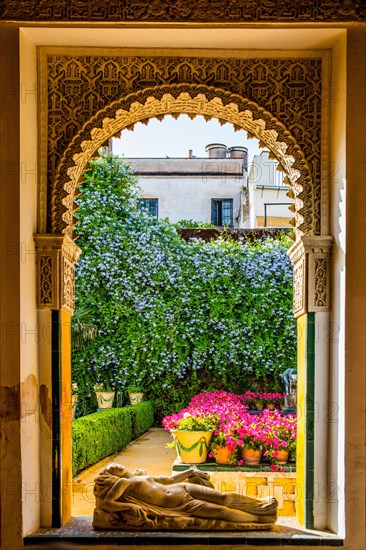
(222, 212)
(149, 205)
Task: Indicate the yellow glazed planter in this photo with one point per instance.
(105, 399)
(191, 446)
(136, 397)
(74, 403)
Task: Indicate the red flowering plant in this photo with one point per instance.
(280, 434)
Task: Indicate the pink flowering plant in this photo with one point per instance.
(235, 428)
(225, 405)
(280, 434)
(250, 433)
(272, 398)
(248, 399)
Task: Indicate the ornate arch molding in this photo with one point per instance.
(243, 114)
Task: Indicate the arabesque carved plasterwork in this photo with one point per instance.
(85, 91)
(320, 277)
(299, 288)
(231, 11)
(67, 285)
(311, 257)
(56, 257)
(46, 275)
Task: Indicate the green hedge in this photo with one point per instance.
(103, 433)
(142, 417)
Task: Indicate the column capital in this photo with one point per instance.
(310, 257)
(56, 258)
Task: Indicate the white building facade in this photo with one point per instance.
(198, 189)
(267, 194)
(216, 189)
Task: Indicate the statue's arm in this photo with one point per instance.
(181, 476)
(112, 503)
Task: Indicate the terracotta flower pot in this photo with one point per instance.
(251, 456)
(259, 406)
(191, 446)
(270, 406)
(222, 454)
(282, 456)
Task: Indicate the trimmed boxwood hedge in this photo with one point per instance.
(142, 417)
(98, 435)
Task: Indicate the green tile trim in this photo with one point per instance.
(310, 420)
(213, 467)
(56, 427)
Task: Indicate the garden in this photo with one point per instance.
(203, 329)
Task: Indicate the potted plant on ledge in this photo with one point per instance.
(192, 436)
(105, 396)
(135, 393)
(74, 397)
(280, 439)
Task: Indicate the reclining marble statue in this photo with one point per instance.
(187, 500)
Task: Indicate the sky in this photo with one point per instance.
(174, 137)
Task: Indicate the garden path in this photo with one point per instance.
(148, 452)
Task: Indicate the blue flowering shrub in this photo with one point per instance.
(175, 317)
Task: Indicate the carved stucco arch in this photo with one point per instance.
(225, 107)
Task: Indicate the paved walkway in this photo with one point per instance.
(148, 452)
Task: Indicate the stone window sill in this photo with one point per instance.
(79, 531)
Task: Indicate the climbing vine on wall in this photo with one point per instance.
(174, 317)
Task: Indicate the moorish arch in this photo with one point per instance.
(227, 108)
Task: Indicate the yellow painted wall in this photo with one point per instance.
(282, 485)
(66, 401)
(274, 221)
(301, 409)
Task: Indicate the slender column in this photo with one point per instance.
(310, 257)
(56, 257)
